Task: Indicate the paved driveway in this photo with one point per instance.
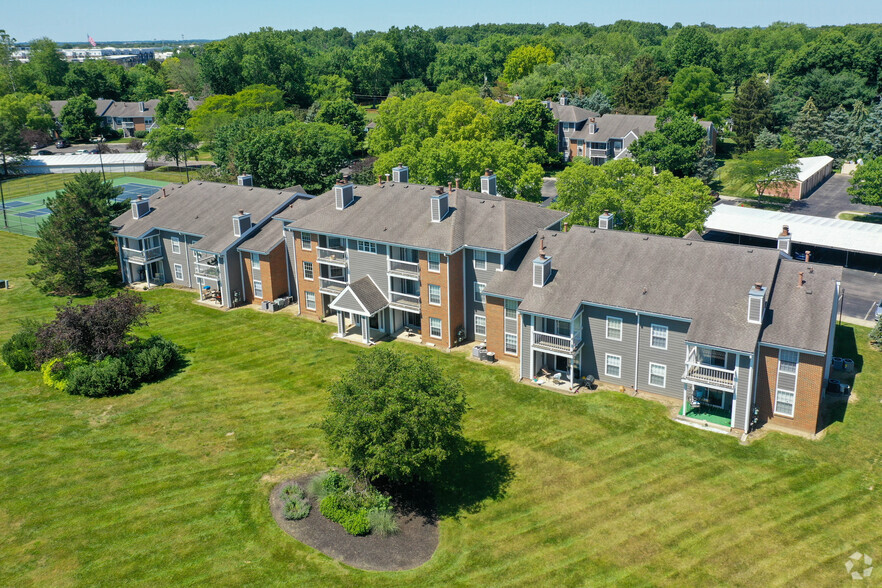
(863, 290)
(829, 199)
(549, 191)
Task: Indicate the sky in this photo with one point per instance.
(73, 20)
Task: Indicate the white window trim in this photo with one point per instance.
(430, 295)
(258, 285)
(179, 269)
(505, 309)
(606, 365)
(311, 270)
(366, 247)
(505, 343)
(176, 245)
(429, 262)
(652, 329)
(483, 265)
(778, 390)
(440, 328)
(664, 374)
(303, 241)
(478, 293)
(255, 261)
(306, 300)
(484, 318)
(621, 327)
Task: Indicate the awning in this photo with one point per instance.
(361, 297)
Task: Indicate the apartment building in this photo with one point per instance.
(215, 238)
(740, 336)
(397, 256)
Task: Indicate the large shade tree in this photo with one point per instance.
(764, 168)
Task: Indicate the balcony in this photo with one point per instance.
(206, 267)
(566, 345)
(335, 257)
(404, 269)
(142, 256)
(331, 286)
(405, 302)
(711, 376)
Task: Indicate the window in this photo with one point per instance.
(310, 300)
(435, 294)
(614, 328)
(657, 374)
(480, 326)
(511, 309)
(366, 246)
(255, 261)
(307, 270)
(306, 241)
(435, 327)
(176, 244)
(479, 292)
(613, 365)
(434, 262)
(511, 343)
(659, 337)
(480, 259)
(179, 272)
(495, 259)
(258, 289)
(785, 390)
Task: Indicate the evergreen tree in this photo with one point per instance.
(859, 114)
(641, 88)
(751, 111)
(837, 133)
(767, 140)
(808, 126)
(598, 102)
(75, 249)
(871, 133)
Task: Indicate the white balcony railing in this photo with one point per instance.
(142, 255)
(702, 374)
(331, 285)
(560, 343)
(407, 269)
(206, 269)
(409, 302)
(332, 256)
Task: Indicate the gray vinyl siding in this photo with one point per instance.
(674, 357)
(293, 260)
(472, 275)
(234, 274)
(596, 345)
(363, 264)
(742, 396)
(525, 342)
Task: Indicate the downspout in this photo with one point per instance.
(749, 408)
(755, 376)
(637, 354)
(187, 255)
(288, 267)
(244, 275)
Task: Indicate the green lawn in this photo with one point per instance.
(169, 485)
(31, 185)
(875, 217)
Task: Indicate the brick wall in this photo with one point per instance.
(274, 269)
(305, 285)
(247, 279)
(431, 311)
(809, 384)
(495, 311)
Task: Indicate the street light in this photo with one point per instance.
(100, 139)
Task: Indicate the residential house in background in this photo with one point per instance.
(125, 117)
(209, 237)
(568, 120)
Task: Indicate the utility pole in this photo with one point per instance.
(2, 199)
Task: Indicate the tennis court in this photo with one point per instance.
(133, 190)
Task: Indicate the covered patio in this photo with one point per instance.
(362, 302)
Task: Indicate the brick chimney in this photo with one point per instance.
(801, 279)
(808, 256)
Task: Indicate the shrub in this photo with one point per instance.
(140, 134)
(293, 491)
(152, 358)
(339, 508)
(296, 509)
(316, 486)
(335, 483)
(383, 522)
(18, 351)
(108, 377)
(57, 371)
(875, 336)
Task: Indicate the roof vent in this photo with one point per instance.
(488, 182)
(756, 304)
(400, 174)
(784, 240)
(344, 193)
(140, 208)
(241, 223)
(439, 205)
(606, 220)
(541, 266)
(245, 180)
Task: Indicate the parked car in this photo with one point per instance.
(878, 313)
(62, 143)
(45, 152)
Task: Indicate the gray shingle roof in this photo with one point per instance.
(132, 109)
(400, 214)
(369, 295)
(570, 113)
(204, 208)
(101, 106)
(704, 282)
(264, 240)
(617, 126)
(800, 317)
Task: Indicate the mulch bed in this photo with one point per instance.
(411, 547)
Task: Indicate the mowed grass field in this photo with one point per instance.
(169, 485)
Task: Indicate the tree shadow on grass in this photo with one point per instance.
(472, 475)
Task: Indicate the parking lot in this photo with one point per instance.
(863, 290)
(829, 199)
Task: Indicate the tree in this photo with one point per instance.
(523, 60)
(751, 111)
(642, 201)
(866, 184)
(694, 47)
(764, 168)
(98, 330)
(529, 123)
(181, 72)
(676, 144)
(96, 78)
(47, 63)
(871, 133)
(75, 249)
(143, 84)
(272, 58)
(173, 142)
(808, 126)
(697, 90)
(395, 415)
(173, 109)
(596, 102)
(641, 88)
(78, 119)
(375, 67)
(344, 113)
(217, 111)
(766, 140)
